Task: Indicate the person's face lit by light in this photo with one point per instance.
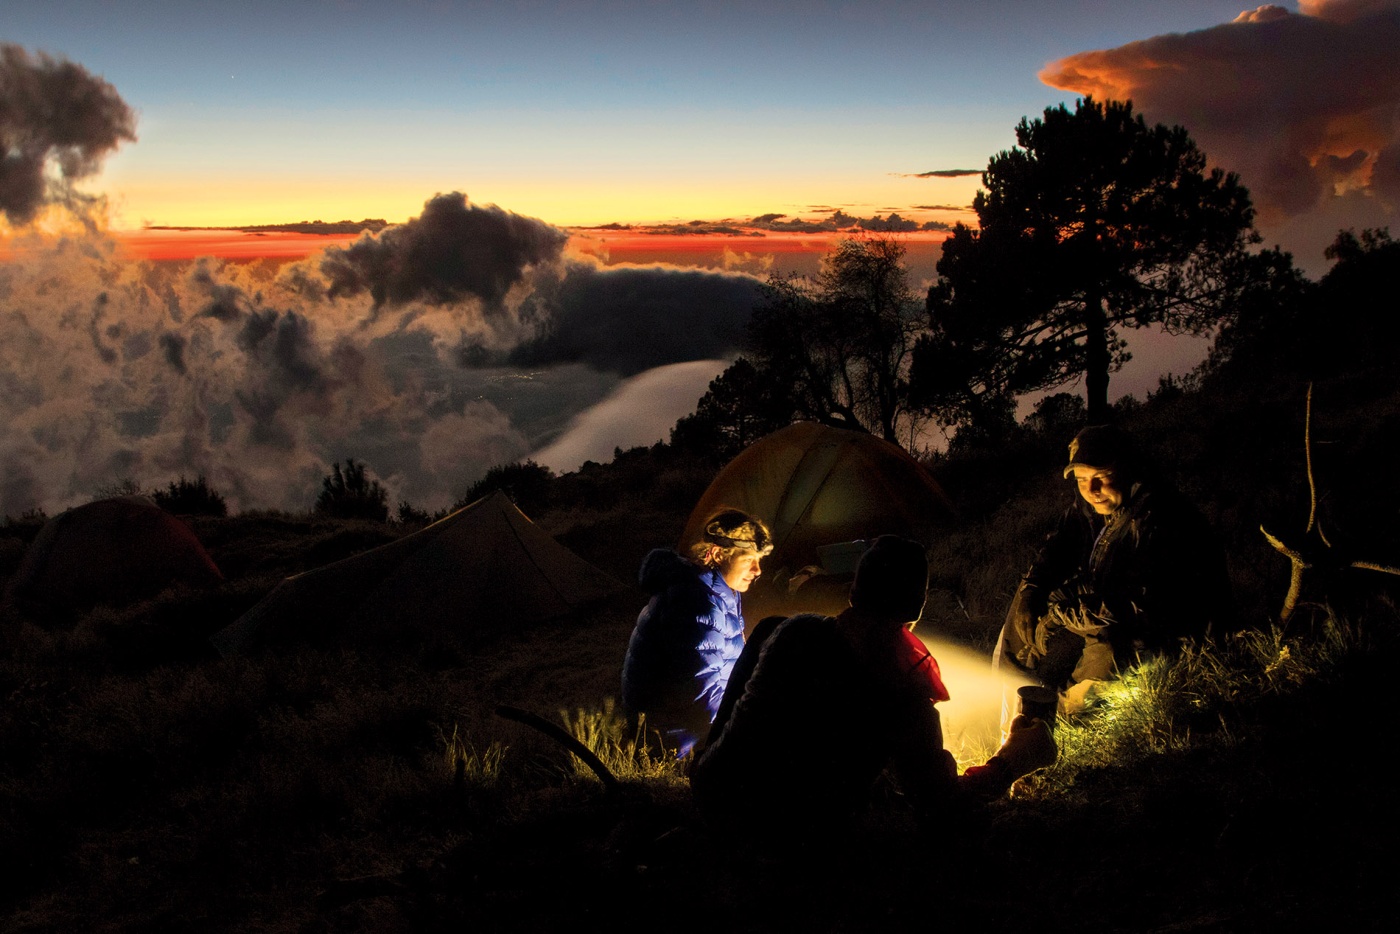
(1100, 487)
(741, 570)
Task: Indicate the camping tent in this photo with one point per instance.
(109, 551)
(817, 488)
(483, 566)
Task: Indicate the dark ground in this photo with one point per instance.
(148, 785)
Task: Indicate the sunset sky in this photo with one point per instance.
(579, 113)
(612, 179)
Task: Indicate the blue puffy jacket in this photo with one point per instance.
(683, 647)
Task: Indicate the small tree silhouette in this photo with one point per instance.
(191, 498)
(835, 348)
(350, 494)
(741, 406)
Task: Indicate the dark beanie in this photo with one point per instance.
(1103, 447)
(892, 579)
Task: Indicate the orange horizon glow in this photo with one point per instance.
(225, 244)
(608, 245)
(622, 246)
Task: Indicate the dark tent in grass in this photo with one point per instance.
(481, 568)
(111, 551)
(820, 488)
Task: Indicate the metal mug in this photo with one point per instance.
(1037, 701)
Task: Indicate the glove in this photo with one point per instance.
(1086, 622)
(1022, 615)
(1030, 746)
(1078, 589)
(1081, 618)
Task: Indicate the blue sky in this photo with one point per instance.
(575, 112)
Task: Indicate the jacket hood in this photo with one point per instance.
(662, 568)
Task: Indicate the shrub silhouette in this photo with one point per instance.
(351, 494)
(528, 484)
(191, 498)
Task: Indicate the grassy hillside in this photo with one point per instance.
(146, 784)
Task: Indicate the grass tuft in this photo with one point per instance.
(1201, 696)
(481, 767)
(623, 748)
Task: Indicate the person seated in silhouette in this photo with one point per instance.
(821, 707)
(1130, 570)
(691, 632)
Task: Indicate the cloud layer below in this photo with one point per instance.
(432, 351)
(641, 411)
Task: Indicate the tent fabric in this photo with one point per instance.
(817, 487)
(486, 564)
(111, 551)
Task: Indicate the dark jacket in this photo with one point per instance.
(684, 645)
(823, 713)
(1151, 573)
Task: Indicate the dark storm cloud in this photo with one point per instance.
(53, 112)
(629, 319)
(452, 253)
(1305, 106)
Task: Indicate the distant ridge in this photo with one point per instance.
(372, 224)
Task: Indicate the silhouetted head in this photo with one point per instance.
(892, 580)
(734, 543)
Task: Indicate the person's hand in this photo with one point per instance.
(1030, 746)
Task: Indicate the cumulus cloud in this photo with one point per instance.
(57, 123)
(1305, 106)
(256, 377)
(259, 377)
(453, 252)
(111, 370)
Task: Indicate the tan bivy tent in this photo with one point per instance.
(110, 551)
(819, 489)
(486, 565)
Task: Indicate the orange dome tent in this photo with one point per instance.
(820, 488)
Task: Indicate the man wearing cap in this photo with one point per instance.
(1131, 569)
(691, 632)
(831, 702)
